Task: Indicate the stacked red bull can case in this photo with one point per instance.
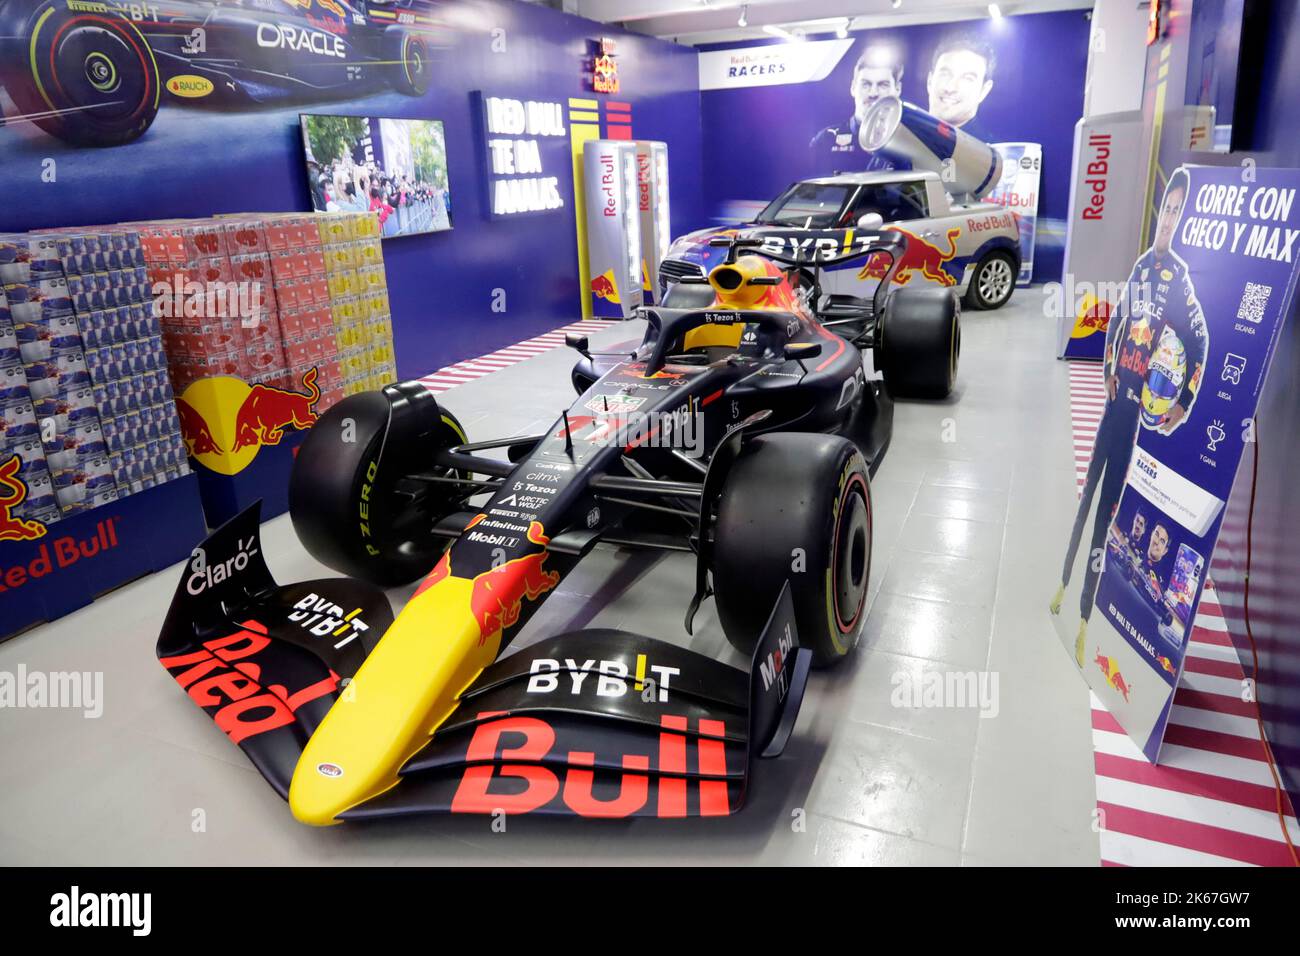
(98, 419)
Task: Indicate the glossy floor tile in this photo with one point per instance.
(958, 733)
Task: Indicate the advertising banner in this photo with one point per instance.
(1105, 221)
(1186, 353)
(775, 114)
(771, 65)
(1017, 190)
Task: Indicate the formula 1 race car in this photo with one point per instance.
(739, 429)
(94, 72)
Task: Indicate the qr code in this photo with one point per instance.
(1253, 302)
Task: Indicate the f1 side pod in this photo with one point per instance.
(605, 723)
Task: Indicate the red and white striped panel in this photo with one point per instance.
(471, 369)
(1211, 800)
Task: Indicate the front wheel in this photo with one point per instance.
(89, 78)
(796, 507)
(992, 282)
(918, 342)
(353, 503)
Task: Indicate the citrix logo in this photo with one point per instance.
(275, 36)
(204, 575)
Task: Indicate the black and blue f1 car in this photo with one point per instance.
(740, 430)
(96, 72)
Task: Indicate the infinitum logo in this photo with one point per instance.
(78, 909)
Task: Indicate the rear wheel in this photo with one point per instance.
(350, 497)
(992, 282)
(813, 529)
(410, 67)
(918, 342)
(88, 78)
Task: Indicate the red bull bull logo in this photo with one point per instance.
(268, 411)
(225, 422)
(13, 492)
(1114, 678)
(195, 431)
(603, 287)
(919, 256)
(497, 599)
(498, 593)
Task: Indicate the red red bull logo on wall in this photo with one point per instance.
(920, 256)
(13, 492)
(225, 421)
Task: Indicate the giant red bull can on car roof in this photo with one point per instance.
(910, 137)
(613, 227)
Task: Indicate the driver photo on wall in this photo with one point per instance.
(1156, 346)
(877, 74)
(960, 77)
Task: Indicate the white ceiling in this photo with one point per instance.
(697, 22)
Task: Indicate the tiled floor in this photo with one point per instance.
(972, 506)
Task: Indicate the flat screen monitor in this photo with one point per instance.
(395, 168)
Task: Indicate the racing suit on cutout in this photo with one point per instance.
(1158, 295)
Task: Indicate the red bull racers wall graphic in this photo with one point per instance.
(1187, 350)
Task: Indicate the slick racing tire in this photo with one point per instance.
(918, 342)
(88, 78)
(409, 66)
(796, 507)
(992, 282)
(351, 505)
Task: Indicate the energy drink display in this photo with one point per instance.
(25, 484)
(72, 470)
(613, 227)
(138, 431)
(652, 212)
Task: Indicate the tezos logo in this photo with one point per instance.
(274, 36)
(204, 575)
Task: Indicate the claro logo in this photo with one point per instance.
(275, 36)
(204, 575)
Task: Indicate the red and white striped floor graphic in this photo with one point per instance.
(1211, 800)
(470, 369)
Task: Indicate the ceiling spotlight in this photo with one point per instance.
(995, 11)
(744, 16)
(896, 4)
(781, 32)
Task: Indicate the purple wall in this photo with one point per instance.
(200, 161)
(1266, 121)
(757, 139)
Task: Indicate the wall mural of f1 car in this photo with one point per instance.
(96, 72)
(740, 430)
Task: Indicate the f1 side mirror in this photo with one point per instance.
(577, 342)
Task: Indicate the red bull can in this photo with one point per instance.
(909, 136)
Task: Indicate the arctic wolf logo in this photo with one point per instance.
(919, 256)
(13, 492)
